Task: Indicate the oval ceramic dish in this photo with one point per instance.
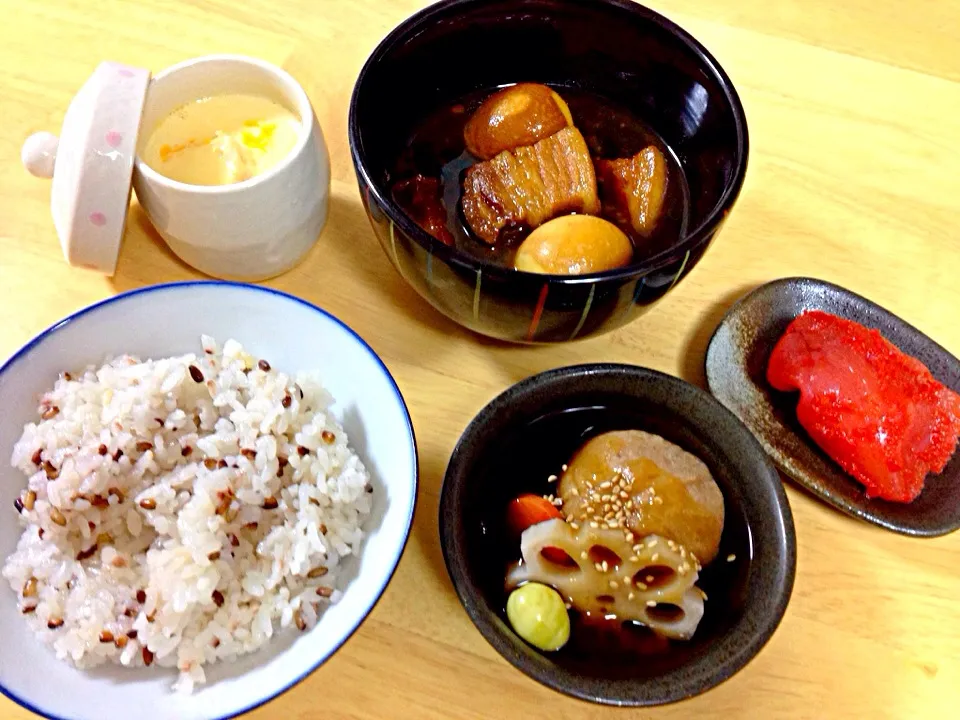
(736, 365)
(550, 413)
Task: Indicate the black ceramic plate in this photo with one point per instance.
(736, 370)
(525, 434)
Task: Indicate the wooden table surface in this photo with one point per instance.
(855, 152)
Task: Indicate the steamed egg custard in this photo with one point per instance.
(222, 139)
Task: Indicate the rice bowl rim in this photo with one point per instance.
(42, 336)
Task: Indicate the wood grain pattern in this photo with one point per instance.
(855, 146)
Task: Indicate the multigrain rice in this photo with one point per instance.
(178, 511)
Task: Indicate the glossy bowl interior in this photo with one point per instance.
(614, 48)
(526, 433)
(164, 320)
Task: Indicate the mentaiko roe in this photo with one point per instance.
(877, 412)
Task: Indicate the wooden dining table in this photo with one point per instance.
(854, 177)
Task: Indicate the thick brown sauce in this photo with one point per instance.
(436, 149)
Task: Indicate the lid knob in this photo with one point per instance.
(39, 154)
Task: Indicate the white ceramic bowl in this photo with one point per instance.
(251, 230)
(168, 319)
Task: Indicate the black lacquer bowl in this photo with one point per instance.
(614, 48)
(535, 426)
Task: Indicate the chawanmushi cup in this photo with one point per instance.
(250, 230)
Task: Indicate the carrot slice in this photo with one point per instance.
(528, 510)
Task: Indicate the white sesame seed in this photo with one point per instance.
(598, 566)
(652, 543)
(552, 478)
(605, 484)
(614, 585)
(574, 492)
(630, 596)
(624, 494)
(630, 539)
(574, 526)
(703, 594)
(629, 505)
(651, 603)
(658, 500)
(564, 467)
(649, 578)
(654, 557)
(583, 554)
(634, 558)
(731, 557)
(641, 586)
(594, 524)
(605, 566)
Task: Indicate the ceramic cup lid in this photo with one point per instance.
(92, 164)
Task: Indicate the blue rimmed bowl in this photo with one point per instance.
(615, 48)
(164, 320)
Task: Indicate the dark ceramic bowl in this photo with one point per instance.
(614, 48)
(528, 432)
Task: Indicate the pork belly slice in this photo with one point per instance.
(527, 186)
(633, 189)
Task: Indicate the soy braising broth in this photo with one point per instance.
(436, 150)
